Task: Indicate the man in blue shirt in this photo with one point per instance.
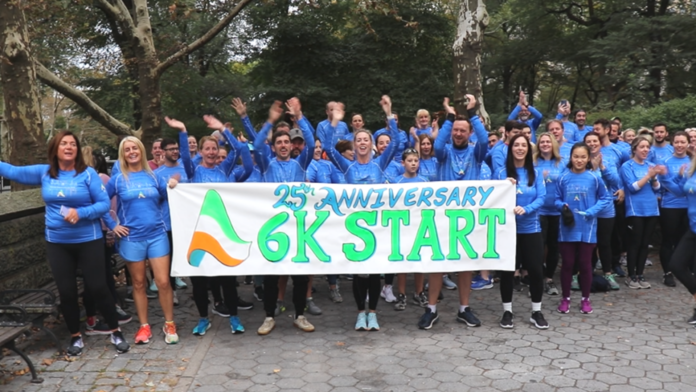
(581, 124)
(527, 114)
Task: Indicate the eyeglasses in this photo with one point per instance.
(172, 149)
(410, 151)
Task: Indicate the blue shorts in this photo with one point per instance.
(134, 251)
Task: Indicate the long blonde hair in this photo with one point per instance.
(555, 151)
(122, 156)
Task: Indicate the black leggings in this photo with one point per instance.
(619, 235)
(530, 254)
(389, 279)
(363, 286)
(64, 260)
(87, 297)
(549, 232)
(172, 281)
(299, 293)
(605, 228)
(674, 223)
(641, 230)
(200, 293)
(683, 260)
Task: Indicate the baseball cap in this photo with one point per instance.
(296, 133)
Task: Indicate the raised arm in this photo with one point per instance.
(295, 107)
(242, 150)
(241, 109)
(385, 159)
(262, 158)
(189, 166)
(445, 133)
(28, 175)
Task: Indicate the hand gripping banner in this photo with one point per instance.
(318, 229)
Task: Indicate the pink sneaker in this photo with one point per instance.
(585, 306)
(564, 307)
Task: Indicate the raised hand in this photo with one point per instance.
(239, 107)
(176, 124)
(213, 123)
(522, 99)
(337, 114)
(472, 102)
(294, 107)
(275, 112)
(386, 104)
(446, 105)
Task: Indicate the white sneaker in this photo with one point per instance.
(388, 294)
(648, 263)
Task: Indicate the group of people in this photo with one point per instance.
(584, 192)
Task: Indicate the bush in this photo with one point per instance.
(678, 114)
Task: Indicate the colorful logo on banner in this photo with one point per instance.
(215, 235)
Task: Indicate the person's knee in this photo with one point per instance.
(162, 282)
(139, 283)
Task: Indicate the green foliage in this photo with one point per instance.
(678, 114)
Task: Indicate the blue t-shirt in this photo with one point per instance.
(84, 192)
(686, 187)
(550, 170)
(669, 198)
(485, 172)
(139, 204)
(428, 168)
(583, 192)
(531, 198)
(292, 170)
(639, 201)
(460, 163)
(165, 173)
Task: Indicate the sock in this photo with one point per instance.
(144, 325)
(536, 306)
(433, 308)
(462, 308)
(585, 299)
(507, 306)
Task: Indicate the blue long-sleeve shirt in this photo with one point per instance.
(553, 170)
(670, 199)
(580, 134)
(393, 171)
(255, 175)
(372, 172)
(140, 196)
(84, 192)
(570, 130)
(532, 122)
(165, 173)
(486, 172)
(460, 163)
(582, 192)
(683, 186)
(292, 170)
(341, 132)
(402, 141)
(531, 198)
(498, 156)
(610, 178)
(224, 171)
(640, 201)
(419, 131)
(657, 155)
(319, 172)
(428, 169)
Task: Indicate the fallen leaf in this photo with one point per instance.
(149, 384)
(121, 374)
(340, 344)
(185, 359)
(47, 361)
(182, 368)
(276, 370)
(609, 304)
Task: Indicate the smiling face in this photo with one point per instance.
(580, 119)
(545, 145)
(382, 143)
(642, 150)
(362, 143)
(461, 130)
(221, 156)
(132, 153)
(426, 147)
(411, 163)
(579, 158)
(209, 152)
(357, 122)
(660, 133)
(593, 143)
(628, 136)
(298, 144)
(527, 132)
(67, 149)
(171, 153)
(423, 119)
(282, 147)
(156, 150)
(680, 144)
(614, 132)
(519, 149)
(556, 129)
(317, 150)
(192, 144)
(348, 154)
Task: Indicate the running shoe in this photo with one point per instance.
(97, 328)
(119, 342)
(76, 346)
(618, 271)
(468, 317)
(612, 282)
(632, 283)
(643, 283)
(335, 295)
(236, 325)
(447, 283)
(585, 306)
(420, 299)
(482, 284)
(203, 326)
(244, 305)
(428, 319)
(153, 287)
(507, 320)
(564, 306)
(648, 262)
(551, 288)
(538, 320)
(302, 323)
(258, 293)
(372, 324)
(361, 322)
(180, 284)
(400, 302)
(575, 285)
(388, 294)
(221, 310)
(267, 326)
(280, 308)
(668, 280)
(143, 335)
(170, 335)
(123, 317)
(312, 308)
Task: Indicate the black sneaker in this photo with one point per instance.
(538, 320)
(692, 320)
(248, 279)
(517, 284)
(75, 347)
(123, 317)
(258, 293)
(221, 310)
(506, 321)
(99, 328)
(668, 280)
(428, 319)
(129, 296)
(150, 294)
(244, 305)
(469, 318)
(119, 342)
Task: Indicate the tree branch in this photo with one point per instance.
(95, 111)
(202, 40)
(120, 13)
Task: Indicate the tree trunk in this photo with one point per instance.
(472, 22)
(20, 91)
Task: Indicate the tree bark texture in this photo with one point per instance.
(27, 144)
(468, 44)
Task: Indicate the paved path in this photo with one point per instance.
(634, 341)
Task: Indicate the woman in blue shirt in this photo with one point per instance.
(639, 179)
(428, 163)
(581, 192)
(142, 234)
(684, 256)
(530, 194)
(547, 161)
(75, 200)
(674, 221)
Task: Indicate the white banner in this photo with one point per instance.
(318, 229)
